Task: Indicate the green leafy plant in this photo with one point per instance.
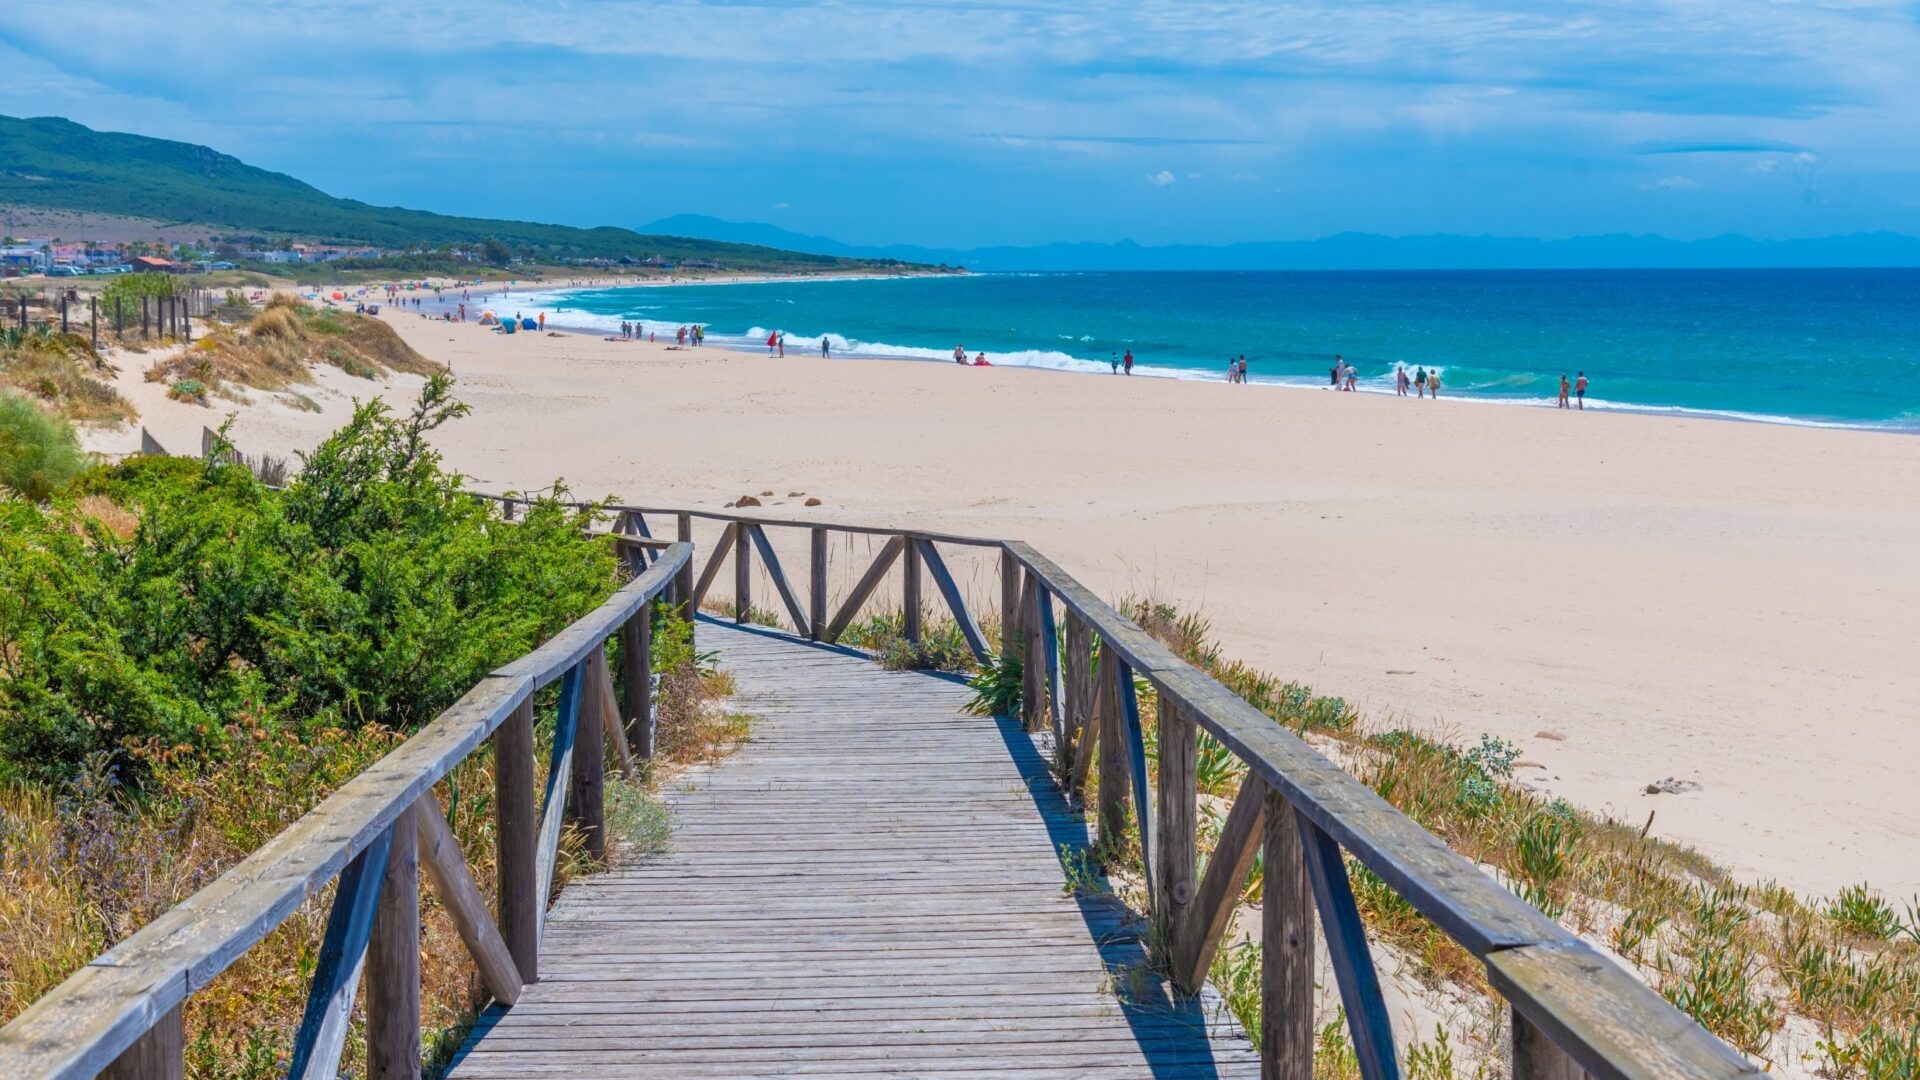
(39, 454)
(1857, 910)
(999, 686)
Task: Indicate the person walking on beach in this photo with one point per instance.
(1233, 370)
(1420, 382)
(1126, 361)
(1400, 380)
(1565, 388)
(772, 340)
(1433, 383)
(1580, 392)
(699, 334)
(782, 342)
(1334, 375)
(825, 351)
(1113, 360)
(542, 321)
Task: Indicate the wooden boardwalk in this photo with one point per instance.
(871, 887)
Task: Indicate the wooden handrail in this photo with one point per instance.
(1573, 1009)
(103, 1010)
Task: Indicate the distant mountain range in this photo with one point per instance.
(1350, 251)
(57, 164)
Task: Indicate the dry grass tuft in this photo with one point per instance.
(64, 374)
(278, 348)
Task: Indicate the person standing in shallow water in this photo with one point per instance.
(1565, 388)
(1127, 361)
(825, 350)
(1400, 380)
(1580, 392)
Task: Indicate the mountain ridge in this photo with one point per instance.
(1359, 251)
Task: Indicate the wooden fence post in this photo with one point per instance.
(1112, 767)
(586, 784)
(63, 316)
(910, 591)
(742, 572)
(1010, 607)
(93, 320)
(518, 825)
(1286, 964)
(1033, 693)
(1176, 807)
(636, 677)
(160, 1054)
(393, 960)
(1537, 1057)
(817, 586)
(683, 581)
(1076, 706)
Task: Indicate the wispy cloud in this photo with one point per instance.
(997, 121)
(1670, 183)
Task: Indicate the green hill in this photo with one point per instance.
(57, 164)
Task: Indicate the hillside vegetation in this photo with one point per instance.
(56, 163)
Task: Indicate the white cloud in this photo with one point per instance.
(1163, 178)
(1670, 183)
(782, 206)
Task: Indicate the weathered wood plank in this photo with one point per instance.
(393, 959)
(459, 893)
(863, 588)
(1367, 1019)
(911, 606)
(742, 573)
(560, 766)
(722, 548)
(1177, 806)
(771, 562)
(1211, 912)
(956, 603)
(1111, 812)
(517, 825)
(586, 780)
(160, 1054)
(336, 976)
(1286, 942)
(1588, 1004)
(817, 584)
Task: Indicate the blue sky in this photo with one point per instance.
(1028, 121)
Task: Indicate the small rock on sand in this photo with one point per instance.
(795, 494)
(766, 494)
(811, 502)
(745, 500)
(1551, 735)
(1671, 786)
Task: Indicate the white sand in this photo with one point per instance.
(1731, 604)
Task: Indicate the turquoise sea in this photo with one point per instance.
(1805, 346)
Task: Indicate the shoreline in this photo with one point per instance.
(743, 345)
(806, 348)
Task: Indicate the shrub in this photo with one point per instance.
(188, 390)
(39, 454)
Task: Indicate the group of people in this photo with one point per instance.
(1579, 388)
(960, 357)
(632, 331)
(1422, 382)
(1237, 369)
(1120, 363)
(693, 335)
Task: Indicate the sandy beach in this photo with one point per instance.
(1629, 598)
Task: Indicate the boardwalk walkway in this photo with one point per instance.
(869, 888)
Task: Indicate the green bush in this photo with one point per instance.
(39, 454)
(373, 589)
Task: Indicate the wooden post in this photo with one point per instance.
(817, 587)
(1537, 1057)
(393, 961)
(1177, 808)
(1286, 965)
(119, 319)
(1077, 691)
(587, 794)
(683, 582)
(1112, 761)
(93, 320)
(160, 1054)
(186, 320)
(636, 677)
(1010, 607)
(742, 572)
(23, 311)
(518, 825)
(910, 591)
(1033, 691)
(63, 316)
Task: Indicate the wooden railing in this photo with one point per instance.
(121, 1015)
(1574, 1011)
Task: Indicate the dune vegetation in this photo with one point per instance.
(190, 660)
(277, 349)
